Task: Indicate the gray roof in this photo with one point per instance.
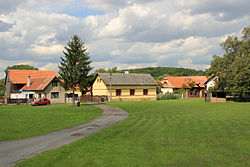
(128, 79)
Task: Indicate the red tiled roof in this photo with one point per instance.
(20, 76)
(38, 83)
(177, 82)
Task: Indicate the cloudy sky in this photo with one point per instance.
(123, 34)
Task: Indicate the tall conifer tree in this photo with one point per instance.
(74, 68)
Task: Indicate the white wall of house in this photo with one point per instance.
(21, 95)
(211, 83)
(27, 94)
(39, 95)
(167, 90)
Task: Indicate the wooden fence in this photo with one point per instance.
(90, 98)
(83, 98)
(16, 101)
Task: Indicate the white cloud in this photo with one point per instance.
(46, 50)
(114, 28)
(224, 10)
(120, 66)
(130, 33)
(5, 63)
(50, 66)
(104, 4)
(189, 47)
(115, 52)
(188, 63)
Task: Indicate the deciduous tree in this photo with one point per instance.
(233, 68)
(20, 67)
(2, 87)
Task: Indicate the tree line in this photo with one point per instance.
(157, 72)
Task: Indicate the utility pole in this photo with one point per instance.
(110, 86)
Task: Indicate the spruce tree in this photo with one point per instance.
(74, 68)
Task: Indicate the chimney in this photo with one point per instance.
(28, 81)
(126, 72)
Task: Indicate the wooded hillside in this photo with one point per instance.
(159, 72)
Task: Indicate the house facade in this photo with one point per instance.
(214, 96)
(125, 86)
(211, 81)
(193, 85)
(32, 84)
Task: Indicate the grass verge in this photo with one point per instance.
(22, 121)
(188, 133)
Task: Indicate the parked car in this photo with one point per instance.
(38, 102)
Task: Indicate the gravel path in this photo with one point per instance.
(18, 150)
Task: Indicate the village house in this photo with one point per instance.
(210, 82)
(213, 96)
(32, 84)
(125, 86)
(193, 85)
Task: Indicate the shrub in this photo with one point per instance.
(169, 96)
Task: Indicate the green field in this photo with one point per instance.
(21, 121)
(184, 133)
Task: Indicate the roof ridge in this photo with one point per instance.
(187, 76)
(29, 70)
(44, 77)
(128, 79)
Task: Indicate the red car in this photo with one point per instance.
(43, 101)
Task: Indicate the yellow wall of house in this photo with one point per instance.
(99, 88)
(76, 92)
(138, 95)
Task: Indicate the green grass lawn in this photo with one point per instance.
(184, 133)
(21, 121)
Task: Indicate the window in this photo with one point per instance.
(30, 96)
(194, 93)
(221, 95)
(54, 95)
(54, 84)
(214, 95)
(16, 87)
(145, 91)
(132, 92)
(39, 95)
(118, 92)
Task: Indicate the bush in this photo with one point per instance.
(170, 96)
